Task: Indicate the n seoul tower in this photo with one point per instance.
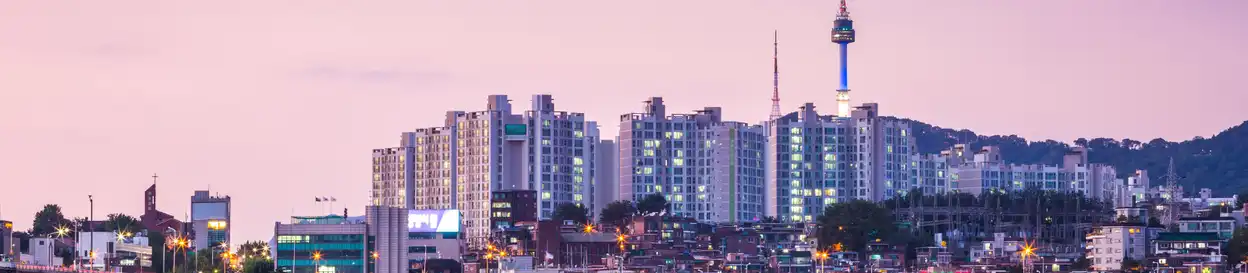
(843, 34)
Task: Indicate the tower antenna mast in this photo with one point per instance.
(775, 76)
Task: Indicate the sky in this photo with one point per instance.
(277, 102)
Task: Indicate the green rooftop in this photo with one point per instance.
(1188, 236)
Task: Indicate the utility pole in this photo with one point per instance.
(91, 230)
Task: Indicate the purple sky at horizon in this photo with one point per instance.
(275, 102)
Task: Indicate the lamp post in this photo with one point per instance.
(316, 256)
(91, 229)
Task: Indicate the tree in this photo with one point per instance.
(1237, 247)
(258, 265)
(1154, 222)
(853, 224)
(1240, 199)
(1130, 265)
(47, 220)
(653, 203)
(255, 257)
(254, 249)
(122, 223)
(571, 212)
(1081, 264)
(618, 214)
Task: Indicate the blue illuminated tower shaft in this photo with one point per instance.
(844, 66)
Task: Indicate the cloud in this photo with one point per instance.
(373, 75)
(118, 50)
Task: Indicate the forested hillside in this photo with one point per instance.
(1219, 163)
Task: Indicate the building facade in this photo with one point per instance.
(6, 238)
(707, 169)
(606, 174)
(818, 160)
(985, 171)
(321, 244)
(561, 148)
(459, 164)
(210, 220)
(1109, 245)
(405, 240)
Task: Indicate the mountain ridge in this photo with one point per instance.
(1219, 163)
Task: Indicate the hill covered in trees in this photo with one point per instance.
(1219, 163)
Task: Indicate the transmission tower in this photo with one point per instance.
(1171, 215)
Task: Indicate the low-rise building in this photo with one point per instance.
(1187, 252)
(1110, 245)
(1223, 226)
(322, 244)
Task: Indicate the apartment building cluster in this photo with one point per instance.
(709, 169)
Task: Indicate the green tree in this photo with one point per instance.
(1081, 264)
(47, 220)
(853, 224)
(199, 261)
(618, 214)
(1240, 199)
(1237, 247)
(255, 255)
(1154, 222)
(254, 265)
(122, 223)
(1130, 265)
(254, 249)
(653, 203)
(571, 212)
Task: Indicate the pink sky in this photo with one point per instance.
(274, 102)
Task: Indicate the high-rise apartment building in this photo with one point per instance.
(458, 164)
(210, 219)
(707, 169)
(606, 167)
(561, 150)
(818, 160)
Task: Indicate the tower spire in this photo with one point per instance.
(844, 10)
(775, 75)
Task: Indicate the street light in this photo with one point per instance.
(316, 256)
(821, 256)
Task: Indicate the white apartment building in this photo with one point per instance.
(1109, 245)
(817, 160)
(707, 169)
(458, 164)
(1134, 190)
(985, 171)
(930, 173)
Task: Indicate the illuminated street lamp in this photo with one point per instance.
(589, 228)
(316, 256)
(821, 256)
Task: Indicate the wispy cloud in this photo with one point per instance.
(373, 75)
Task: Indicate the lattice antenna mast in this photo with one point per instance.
(1172, 188)
(775, 76)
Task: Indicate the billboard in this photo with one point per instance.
(433, 221)
(515, 129)
(515, 132)
(210, 211)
